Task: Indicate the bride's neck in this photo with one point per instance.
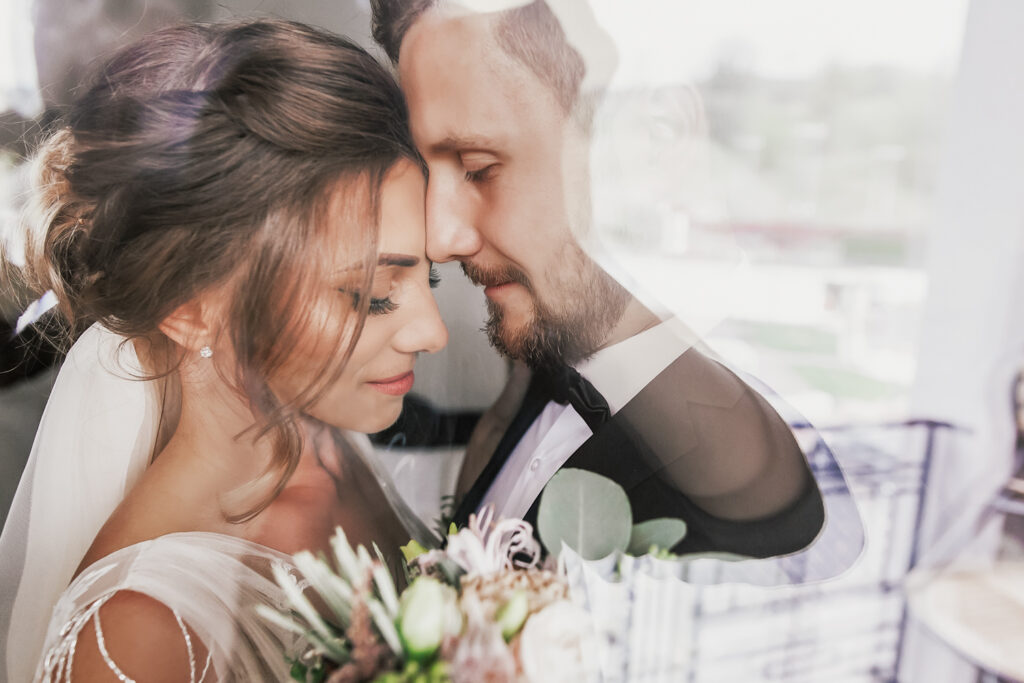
(210, 439)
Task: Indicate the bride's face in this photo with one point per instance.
(402, 322)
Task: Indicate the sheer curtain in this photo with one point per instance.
(973, 332)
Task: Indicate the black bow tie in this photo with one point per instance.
(565, 385)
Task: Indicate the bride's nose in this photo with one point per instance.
(423, 329)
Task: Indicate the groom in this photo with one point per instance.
(602, 384)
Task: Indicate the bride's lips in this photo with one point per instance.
(395, 386)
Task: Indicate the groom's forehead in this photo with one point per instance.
(454, 42)
(462, 88)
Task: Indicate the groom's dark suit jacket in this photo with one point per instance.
(698, 444)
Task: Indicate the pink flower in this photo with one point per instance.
(487, 546)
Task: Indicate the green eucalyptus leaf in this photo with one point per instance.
(663, 533)
(586, 511)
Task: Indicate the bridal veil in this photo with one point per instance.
(95, 439)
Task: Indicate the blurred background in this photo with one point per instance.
(829, 193)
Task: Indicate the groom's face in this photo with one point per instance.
(507, 189)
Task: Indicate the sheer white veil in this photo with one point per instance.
(95, 439)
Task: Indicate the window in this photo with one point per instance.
(784, 159)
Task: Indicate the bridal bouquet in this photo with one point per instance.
(482, 609)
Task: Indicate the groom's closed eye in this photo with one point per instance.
(479, 166)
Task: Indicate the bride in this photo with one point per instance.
(233, 216)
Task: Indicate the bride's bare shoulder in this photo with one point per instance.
(135, 636)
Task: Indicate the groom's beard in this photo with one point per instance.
(589, 304)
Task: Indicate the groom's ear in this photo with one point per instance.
(194, 324)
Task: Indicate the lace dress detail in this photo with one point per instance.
(210, 582)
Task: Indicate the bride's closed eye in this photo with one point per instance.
(381, 306)
(378, 305)
(385, 305)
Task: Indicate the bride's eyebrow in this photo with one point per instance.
(400, 260)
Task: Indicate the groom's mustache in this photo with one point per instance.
(495, 275)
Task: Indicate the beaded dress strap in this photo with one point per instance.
(57, 665)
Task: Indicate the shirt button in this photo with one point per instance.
(534, 465)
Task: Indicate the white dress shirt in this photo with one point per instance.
(619, 372)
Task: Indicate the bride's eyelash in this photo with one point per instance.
(382, 306)
(376, 307)
(386, 305)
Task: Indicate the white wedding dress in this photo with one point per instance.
(95, 440)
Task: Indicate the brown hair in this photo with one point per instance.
(208, 152)
(531, 34)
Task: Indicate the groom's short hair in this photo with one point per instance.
(530, 34)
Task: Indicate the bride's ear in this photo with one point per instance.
(191, 325)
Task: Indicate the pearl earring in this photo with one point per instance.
(206, 352)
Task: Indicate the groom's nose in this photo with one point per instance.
(451, 209)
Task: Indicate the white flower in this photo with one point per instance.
(486, 547)
(558, 644)
(428, 613)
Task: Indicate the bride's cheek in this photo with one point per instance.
(326, 334)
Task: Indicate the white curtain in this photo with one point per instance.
(973, 334)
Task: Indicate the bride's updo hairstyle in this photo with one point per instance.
(205, 155)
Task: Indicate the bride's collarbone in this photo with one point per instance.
(313, 505)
